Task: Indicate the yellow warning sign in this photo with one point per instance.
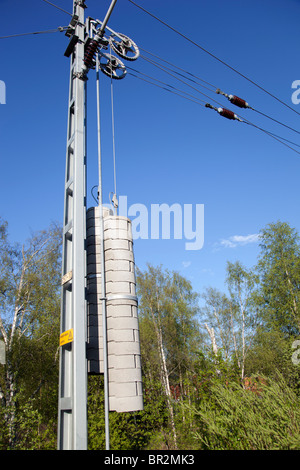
(66, 337)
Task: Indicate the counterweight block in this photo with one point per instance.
(123, 344)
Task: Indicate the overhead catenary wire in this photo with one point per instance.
(174, 90)
(243, 104)
(197, 101)
(177, 78)
(213, 55)
(274, 136)
(59, 8)
(169, 89)
(214, 88)
(180, 68)
(275, 120)
(59, 29)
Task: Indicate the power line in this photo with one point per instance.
(163, 86)
(59, 29)
(59, 8)
(163, 67)
(213, 55)
(179, 68)
(275, 120)
(274, 136)
(196, 100)
(166, 89)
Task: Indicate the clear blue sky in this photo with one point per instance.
(168, 150)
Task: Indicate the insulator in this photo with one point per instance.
(238, 101)
(226, 113)
(90, 52)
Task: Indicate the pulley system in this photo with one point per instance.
(98, 43)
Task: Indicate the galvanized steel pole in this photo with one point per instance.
(72, 417)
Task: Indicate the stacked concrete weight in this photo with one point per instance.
(124, 357)
(94, 306)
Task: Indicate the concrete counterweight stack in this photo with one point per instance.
(123, 344)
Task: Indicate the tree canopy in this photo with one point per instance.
(225, 375)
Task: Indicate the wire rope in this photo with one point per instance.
(163, 67)
(177, 78)
(59, 8)
(59, 29)
(179, 68)
(213, 55)
(113, 133)
(197, 101)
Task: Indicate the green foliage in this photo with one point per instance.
(33, 433)
(239, 419)
(279, 270)
(29, 327)
(128, 431)
(193, 394)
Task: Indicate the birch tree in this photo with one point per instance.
(167, 309)
(243, 314)
(279, 270)
(29, 316)
(216, 318)
(230, 320)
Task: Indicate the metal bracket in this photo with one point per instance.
(80, 75)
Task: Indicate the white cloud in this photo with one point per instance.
(239, 240)
(186, 264)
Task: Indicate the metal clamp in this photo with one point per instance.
(122, 297)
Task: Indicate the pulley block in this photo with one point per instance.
(112, 66)
(124, 46)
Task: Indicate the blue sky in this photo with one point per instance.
(168, 150)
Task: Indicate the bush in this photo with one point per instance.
(235, 418)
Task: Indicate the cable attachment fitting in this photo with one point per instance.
(114, 201)
(234, 99)
(225, 112)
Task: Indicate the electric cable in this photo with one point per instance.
(275, 120)
(234, 99)
(59, 8)
(241, 103)
(59, 29)
(179, 68)
(222, 111)
(187, 84)
(274, 136)
(213, 55)
(195, 100)
(227, 113)
(164, 83)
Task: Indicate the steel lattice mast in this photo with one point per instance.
(72, 419)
